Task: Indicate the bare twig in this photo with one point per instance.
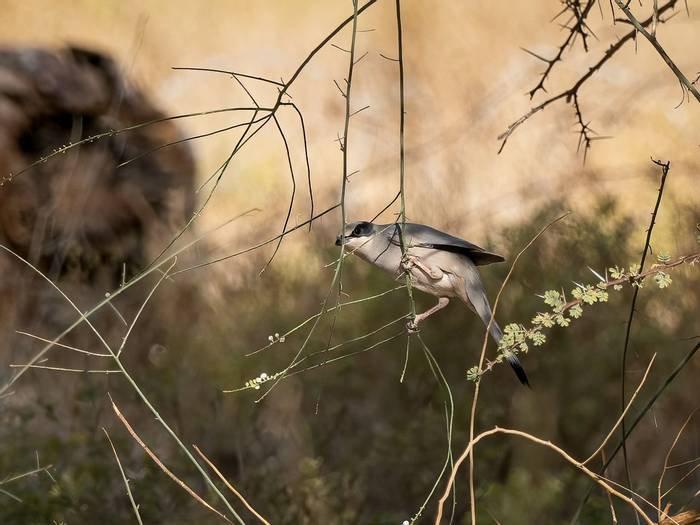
(85, 317)
(74, 349)
(291, 198)
(475, 399)
(230, 486)
(629, 404)
(578, 28)
(283, 337)
(337, 276)
(232, 73)
(165, 469)
(256, 246)
(142, 307)
(569, 93)
(662, 515)
(401, 222)
(548, 444)
(124, 478)
(306, 155)
(651, 37)
(689, 517)
(665, 167)
(652, 401)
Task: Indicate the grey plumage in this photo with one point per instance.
(438, 263)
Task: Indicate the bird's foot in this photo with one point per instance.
(407, 262)
(412, 326)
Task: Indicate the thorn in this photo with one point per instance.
(597, 274)
(545, 60)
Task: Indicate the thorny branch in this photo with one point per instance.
(665, 167)
(577, 27)
(686, 85)
(570, 95)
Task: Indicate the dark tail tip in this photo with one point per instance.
(514, 362)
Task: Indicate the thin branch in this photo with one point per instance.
(346, 130)
(619, 421)
(401, 221)
(142, 307)
(389, 58)
(337, 276)
(259, 245)
(232, 73)
(547, 444)
(568, 94)
(283, 337)
(356, 112)
(665, 167)
(652, 401)
(165, 469)
(663, 515)
(113, 132)
(306, 156)
(578, 29)
(80, 351)
(687, 84)
(124, 478)
(291, 198)
(230, 486)
(191, 139)
(475, 399)
(63, 369)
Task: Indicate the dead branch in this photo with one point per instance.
(569, 94)
(686, 84)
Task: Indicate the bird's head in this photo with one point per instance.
(356, 234)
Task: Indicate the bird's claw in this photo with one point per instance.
(412, 327)
(407, 263)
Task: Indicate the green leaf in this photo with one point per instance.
(473, 374)
(663, 280)
(663, 257)
(575, 311)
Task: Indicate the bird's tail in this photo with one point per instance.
(480, 304)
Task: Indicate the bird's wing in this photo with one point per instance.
(423, 236)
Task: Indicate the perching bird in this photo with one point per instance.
(438, 264)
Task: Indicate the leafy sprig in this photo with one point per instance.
(517, 338)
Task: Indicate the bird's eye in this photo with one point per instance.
(357, 231)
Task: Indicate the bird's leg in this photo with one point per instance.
(409, 261)
(412, 325)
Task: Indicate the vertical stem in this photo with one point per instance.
(623, 371)
(337, 275)
(402, 155)
(344, 182)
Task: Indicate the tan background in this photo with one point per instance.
(465, 81)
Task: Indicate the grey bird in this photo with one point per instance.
(437, 263)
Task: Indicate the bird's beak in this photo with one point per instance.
(339, 240)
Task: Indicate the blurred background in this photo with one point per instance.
(345, 442)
